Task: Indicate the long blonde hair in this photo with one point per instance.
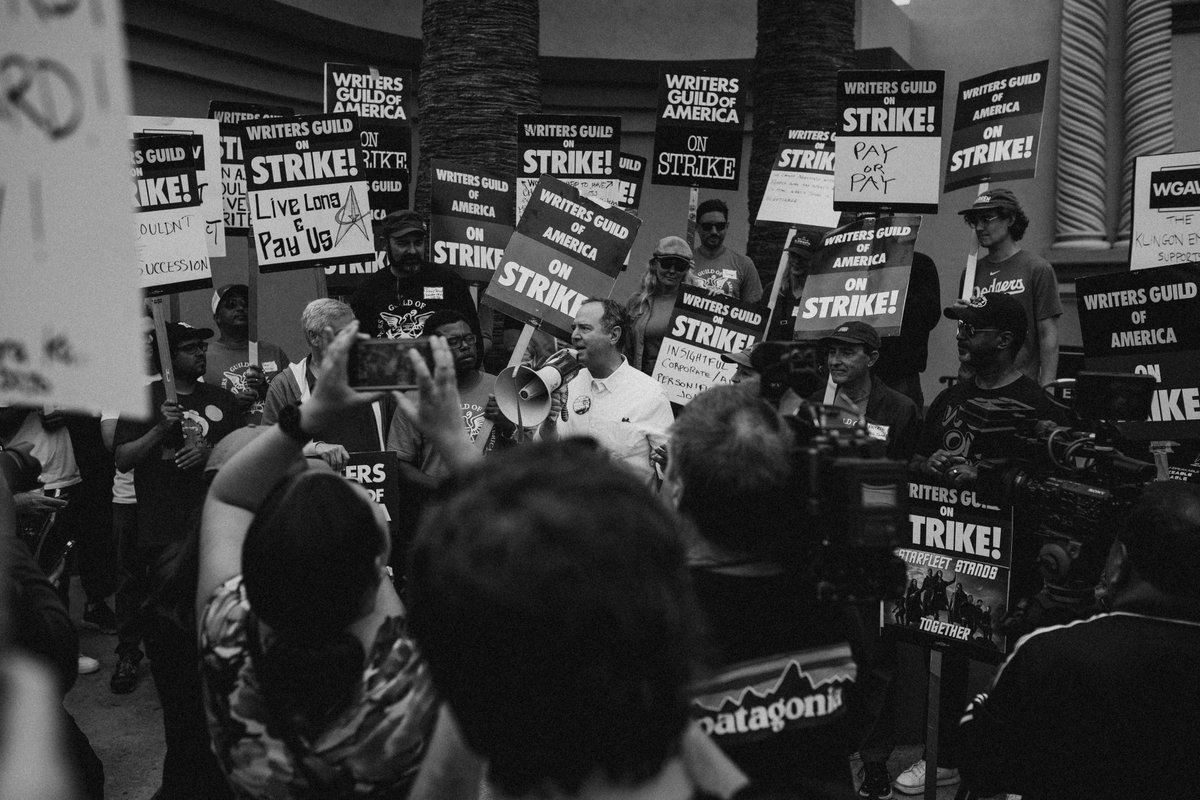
(641, 300)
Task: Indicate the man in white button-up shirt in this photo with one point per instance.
(624, 409)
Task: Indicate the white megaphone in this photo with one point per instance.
(523, 394)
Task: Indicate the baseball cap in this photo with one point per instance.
(854, 332)
(178, 332)
(991, 310)
(804, 242)
(399, 223)
(673, 247)
(741, 358)
(236, 288)
(1001, 199)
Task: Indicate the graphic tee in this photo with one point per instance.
(227, 368)
(729, 273)
(1031, 280)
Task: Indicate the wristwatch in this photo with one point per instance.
(289, 423)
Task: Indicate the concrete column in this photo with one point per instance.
(1080, 206)
(1148, 115)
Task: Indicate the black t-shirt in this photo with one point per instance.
(781, 697)
(390, 307)
(946, 426)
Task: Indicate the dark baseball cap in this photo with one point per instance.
(804, 242)
(991, 310)
(235, 288)
(741, 358)
(399, 223)
(854, 332)
(1001, 199)
(178, 333)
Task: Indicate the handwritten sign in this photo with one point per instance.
(69, 307)
(889, 140)
(800, 188)
(1166, 210)
(581, 151)
(169, 224)
(702, 327)
(229, 115)
(698, 132)
(471, 219)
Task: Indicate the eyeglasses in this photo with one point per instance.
(713, 226)
(193, 347)
(973, 220)
(458, 341)
(968, 330)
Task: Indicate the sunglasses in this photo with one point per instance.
(673, 264)
(713, 226)
(973, 220)
(968, 330)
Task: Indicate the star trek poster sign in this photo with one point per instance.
(308, 192)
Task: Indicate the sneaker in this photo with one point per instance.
(912, 780)
(87, 665)
(98, 616)
(876, 784)
(125, 676)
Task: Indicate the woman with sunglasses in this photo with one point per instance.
(651, 305)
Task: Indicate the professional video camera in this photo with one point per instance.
(1071, 486)
(852, 498)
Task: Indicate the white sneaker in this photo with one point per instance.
(912, 780)
(88, 665)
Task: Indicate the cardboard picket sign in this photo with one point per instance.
(581, 150)
(861, 273)
(70, 327)
(1166, 197)
(309, 203)
(379, 474)
(169, 218)
(702, 327)
(1146, 322)
(471, 218)
(800, 188)
(229, 115)
(632, 170)
(958, 559)
(566, 249)
(997, 127)
(889, 140)
(698, 130)
(206, 149)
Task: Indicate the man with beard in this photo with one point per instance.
(397, 301)
(716, 267)
(229, 364)
(169, 452)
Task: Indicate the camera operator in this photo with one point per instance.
(730, 471)
(1106, 707)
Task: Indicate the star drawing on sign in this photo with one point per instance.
(350, 216)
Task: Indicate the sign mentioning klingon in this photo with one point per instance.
(997, 127)
(471, 219)
(1166, 210)
(860, 272)
(703, 326)
(698, 133)
(566, 249)
(308, 192)
(172, 255)
(229, 115)
(889, 140)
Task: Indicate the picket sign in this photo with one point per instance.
(972, 257)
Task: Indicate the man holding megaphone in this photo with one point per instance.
(622, 408)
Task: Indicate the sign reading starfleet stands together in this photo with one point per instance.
(800, 188)
(698, 134)
(958, 557)
(1146, 322)
(471, 219)
(703, 326)
(997, 126)
(889, 140)
(308, 194)
(633, 175)
(566, 249)
(172, 255)
(229, 115)
(861, 272)
(1166, 210)
(581, 151)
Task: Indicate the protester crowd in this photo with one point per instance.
(609, 604)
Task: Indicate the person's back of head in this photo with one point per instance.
(551, 601)
(731, 454)
(1161, 538)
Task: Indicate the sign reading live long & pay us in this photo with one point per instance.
(566, 249)
(860, 272)
(308, 192)
(702, 327)
(70, 328)
(229, 115)
(800, 188)
(958, 560)
(1146, 322)
(698, 134)
(889, 140)
(1166, 210)
(172, 254)
(471, 219)
(997, 127)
